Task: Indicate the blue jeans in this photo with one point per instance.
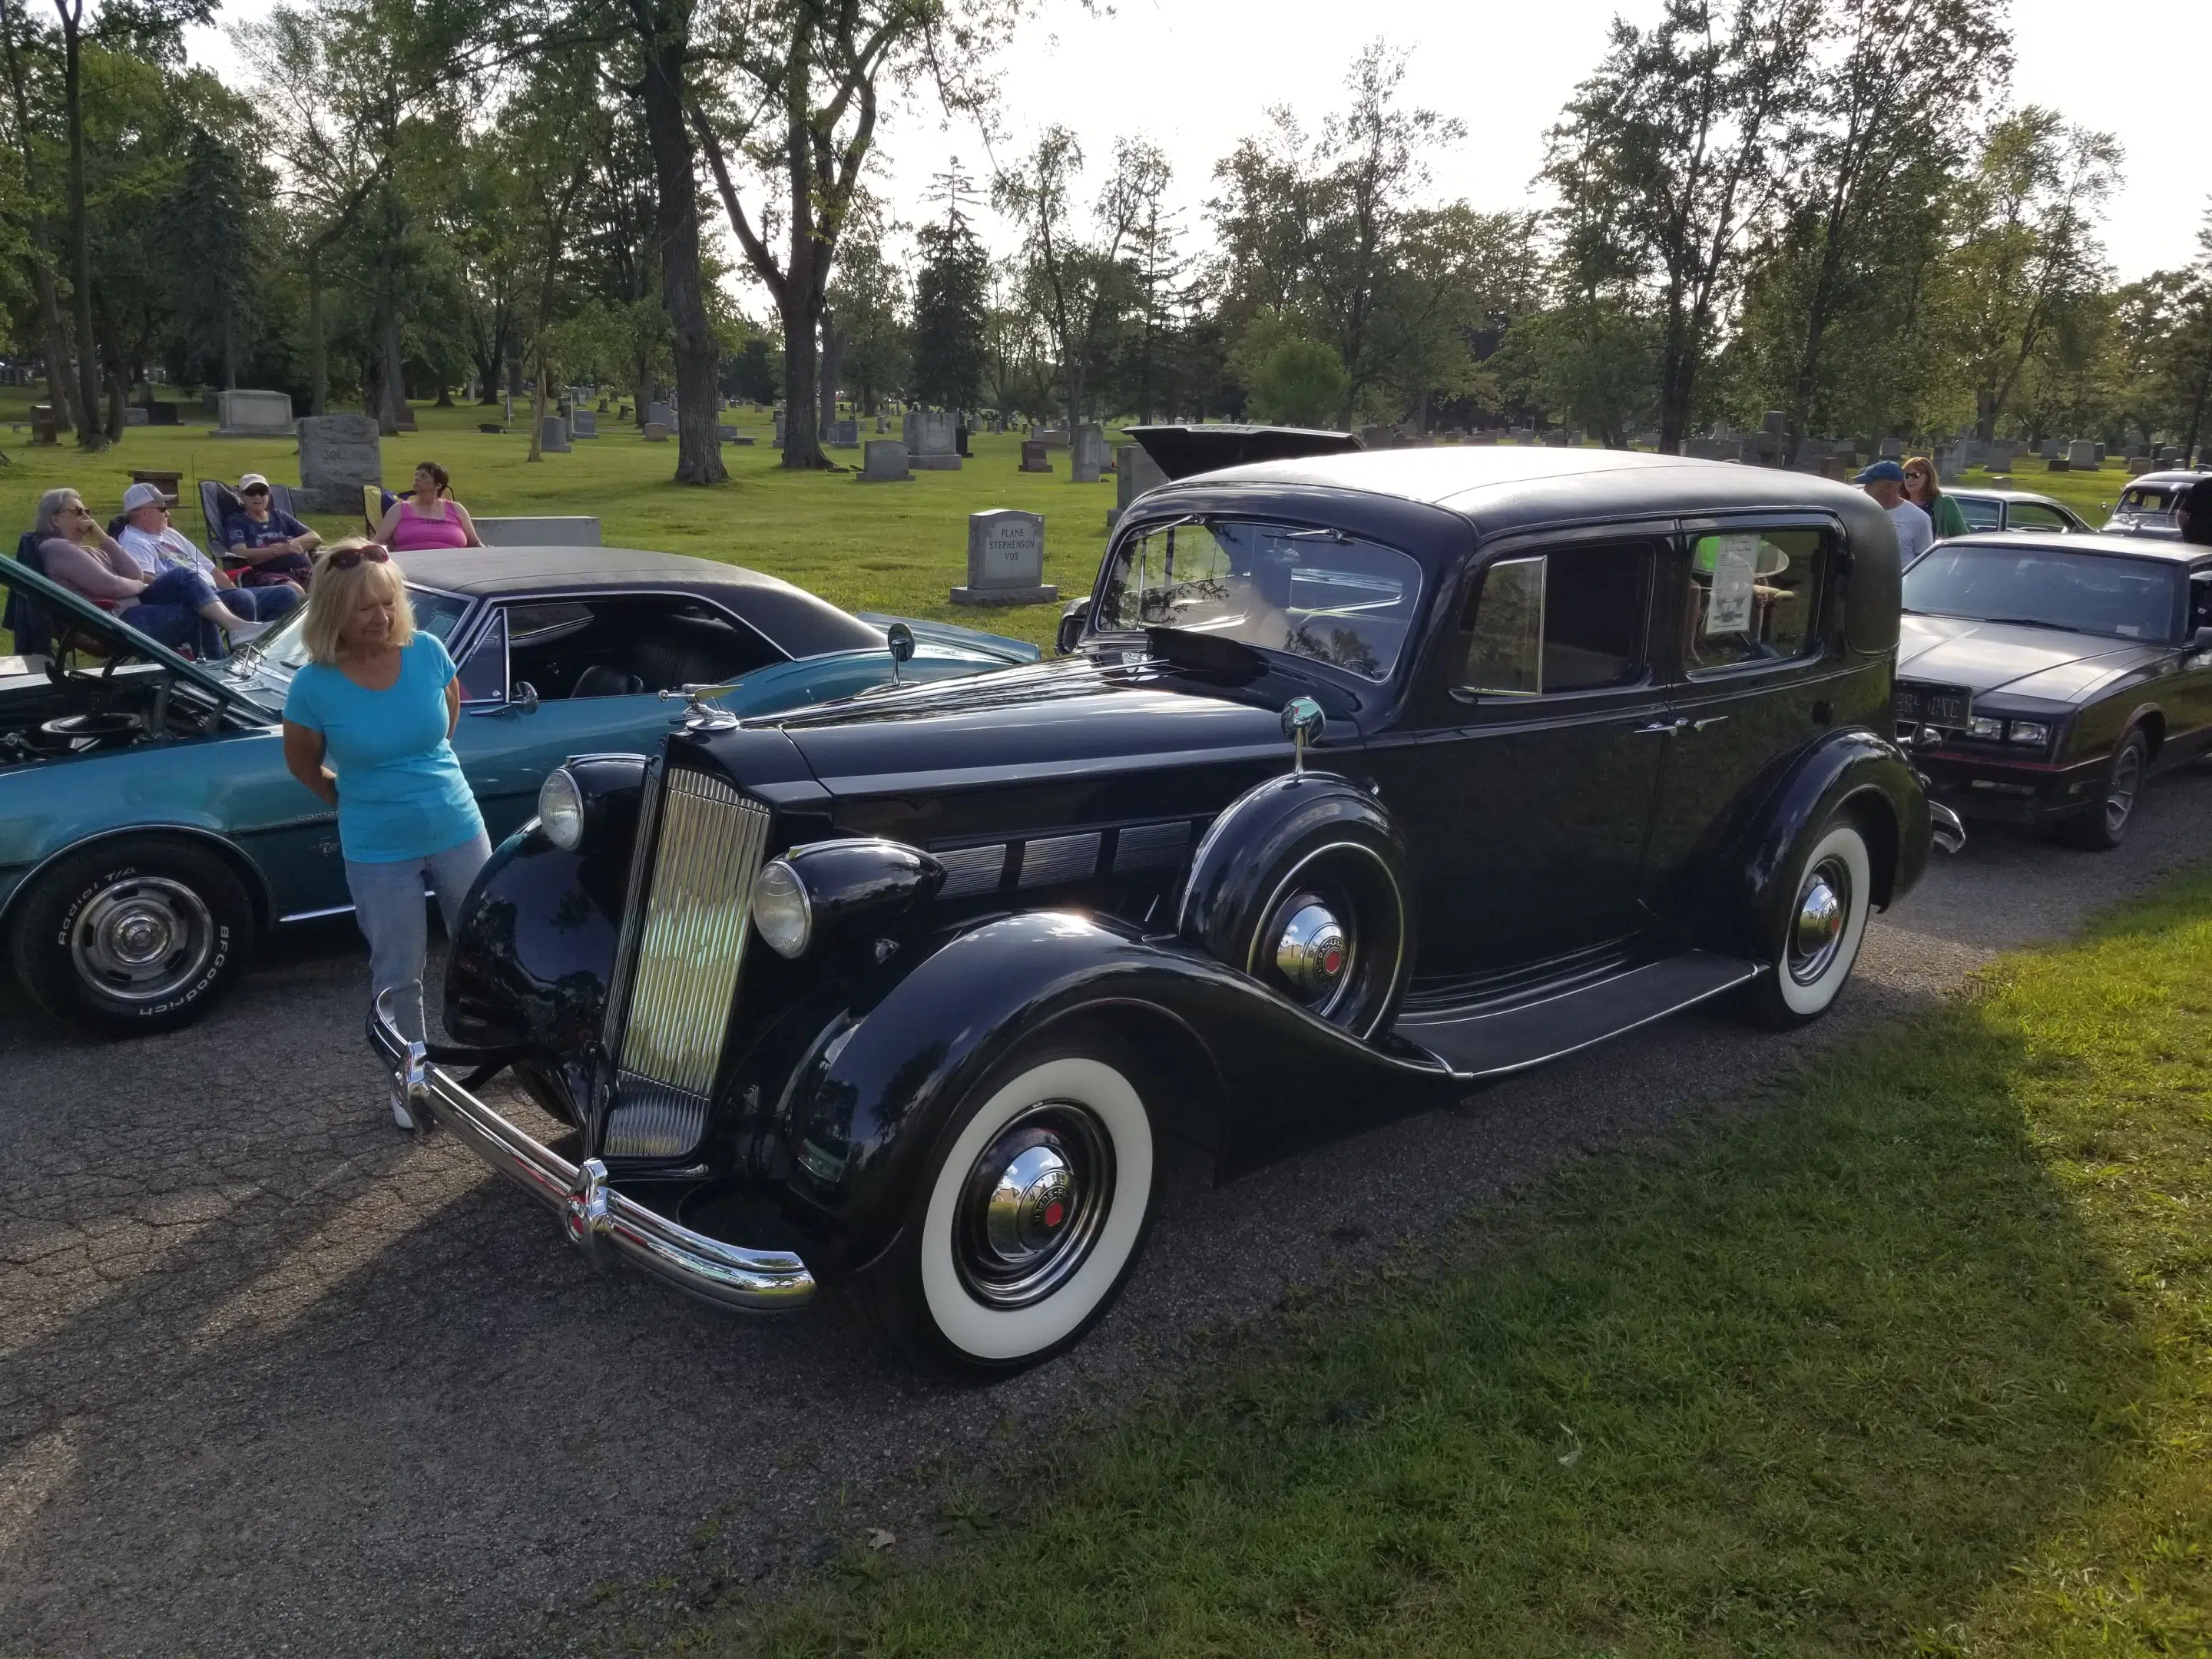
(387, 902)
(169, 610)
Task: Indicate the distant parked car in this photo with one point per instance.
(2146, 505)
(2016, 509)
(2061, 672)
(148, 829)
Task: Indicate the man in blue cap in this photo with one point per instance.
(1916, 531)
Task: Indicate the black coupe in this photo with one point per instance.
(1366, 777)
(2047, 678)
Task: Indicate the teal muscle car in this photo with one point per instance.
(150, 833)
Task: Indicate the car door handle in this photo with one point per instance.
(1710, 720)
(1662, 728)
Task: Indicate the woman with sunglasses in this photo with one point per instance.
(1924, 492)
(274, 546)
(366, 728)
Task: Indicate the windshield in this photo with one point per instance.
(2090, 594)
(285, 649)
(1313, 594)
(2147, 503)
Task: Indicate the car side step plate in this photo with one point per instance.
(1488, 1042)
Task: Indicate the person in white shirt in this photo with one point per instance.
(1916, 531)
(156, 548)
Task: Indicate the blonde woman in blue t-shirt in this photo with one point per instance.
(367, 724)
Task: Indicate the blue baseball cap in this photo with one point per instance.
(1879, 469)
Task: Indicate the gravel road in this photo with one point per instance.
(274, 1379)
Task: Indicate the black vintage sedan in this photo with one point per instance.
(2052, 678)
(1366, 778)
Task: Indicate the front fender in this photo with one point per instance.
(865, 1107)
(1759, 857)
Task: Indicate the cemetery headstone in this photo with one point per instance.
(655, 433)
(1053, 437)
(726, 432)
(1377, 437)
(551, 531)
(43, 431)
(490, 426)
(931, 440)
(1087, 456)
(1136, 473)
(882, 423)
(584, 424)
(553, 436)
(2082, 456)
(253, 413)
(135, 416)
(1005, 560)
(2139, 465)
(1035, 456)
(339, 456)
(1892, 449)
(845, 435)
(884, 461)
(660, 414)
(2049, 447)
(779, 429)
(1713, 449)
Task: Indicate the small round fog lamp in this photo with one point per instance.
(781, 910)
(561, 810)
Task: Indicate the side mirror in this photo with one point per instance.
(524, 698)
(1303, 723)
(1072, 623)
(900, 638)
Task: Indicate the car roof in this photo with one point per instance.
(2176, 475)
(1980, 493)
(1496, 486)
(801, 623)
(2117, 547)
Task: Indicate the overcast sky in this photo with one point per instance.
(1195, 76)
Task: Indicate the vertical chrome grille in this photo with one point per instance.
(667, 1018)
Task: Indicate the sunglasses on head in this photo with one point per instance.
(346, 557)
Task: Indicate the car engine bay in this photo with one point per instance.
(57, 712)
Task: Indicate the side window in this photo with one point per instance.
(1573, 620)
(2200, 600)
(1981, 512)
(2034, 515)
(483, 672)
(1752, 597)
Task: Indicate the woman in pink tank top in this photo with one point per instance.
(428, 518)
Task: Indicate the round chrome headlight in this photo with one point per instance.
(561, 810)
(781, 909)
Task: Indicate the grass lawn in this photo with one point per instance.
(900, 547)
(1917, 1359)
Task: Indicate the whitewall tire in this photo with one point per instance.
(1032, 1210)
(1818, 935)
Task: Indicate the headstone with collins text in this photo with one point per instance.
(339, 455)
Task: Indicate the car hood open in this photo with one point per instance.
(87, 618)
(2030, 662)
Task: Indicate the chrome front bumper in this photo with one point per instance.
(1946, 828)
(598, 1220)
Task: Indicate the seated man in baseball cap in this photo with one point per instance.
(157, 549)
(277, 546)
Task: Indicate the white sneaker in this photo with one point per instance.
(245, 633)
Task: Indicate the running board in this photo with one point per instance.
(1492, 1041)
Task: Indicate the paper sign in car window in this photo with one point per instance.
(1735, 558)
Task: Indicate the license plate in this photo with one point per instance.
(1932, 705)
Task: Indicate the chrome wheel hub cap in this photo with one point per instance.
(2120, 795)
(143, 938)
(1312, 952)
(1033, 1203)
(1816, 933)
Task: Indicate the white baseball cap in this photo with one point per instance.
(143, 495)
(251, 479)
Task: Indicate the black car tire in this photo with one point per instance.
(133, 937)
(977, 1290)
(2105, 824)
(1809, 967)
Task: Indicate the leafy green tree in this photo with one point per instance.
(951, 307)
(1670, 160)
(1298, 382)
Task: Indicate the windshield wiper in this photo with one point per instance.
(2032, 622)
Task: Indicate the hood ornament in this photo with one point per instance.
(700, 714)
(1303, 723)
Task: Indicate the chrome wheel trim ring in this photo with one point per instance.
(1819, 920)
(142, 938)
(1311, 931)
(1033, 1203)
(2120, 793)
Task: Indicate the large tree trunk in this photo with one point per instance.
(58, 370)
(391, 402)
(698, 432)
(318, 368)
(90, 435)
(833, 361)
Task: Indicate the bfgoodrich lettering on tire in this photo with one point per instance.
(1030, 1213)
(1813, 942)
(133, 937)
